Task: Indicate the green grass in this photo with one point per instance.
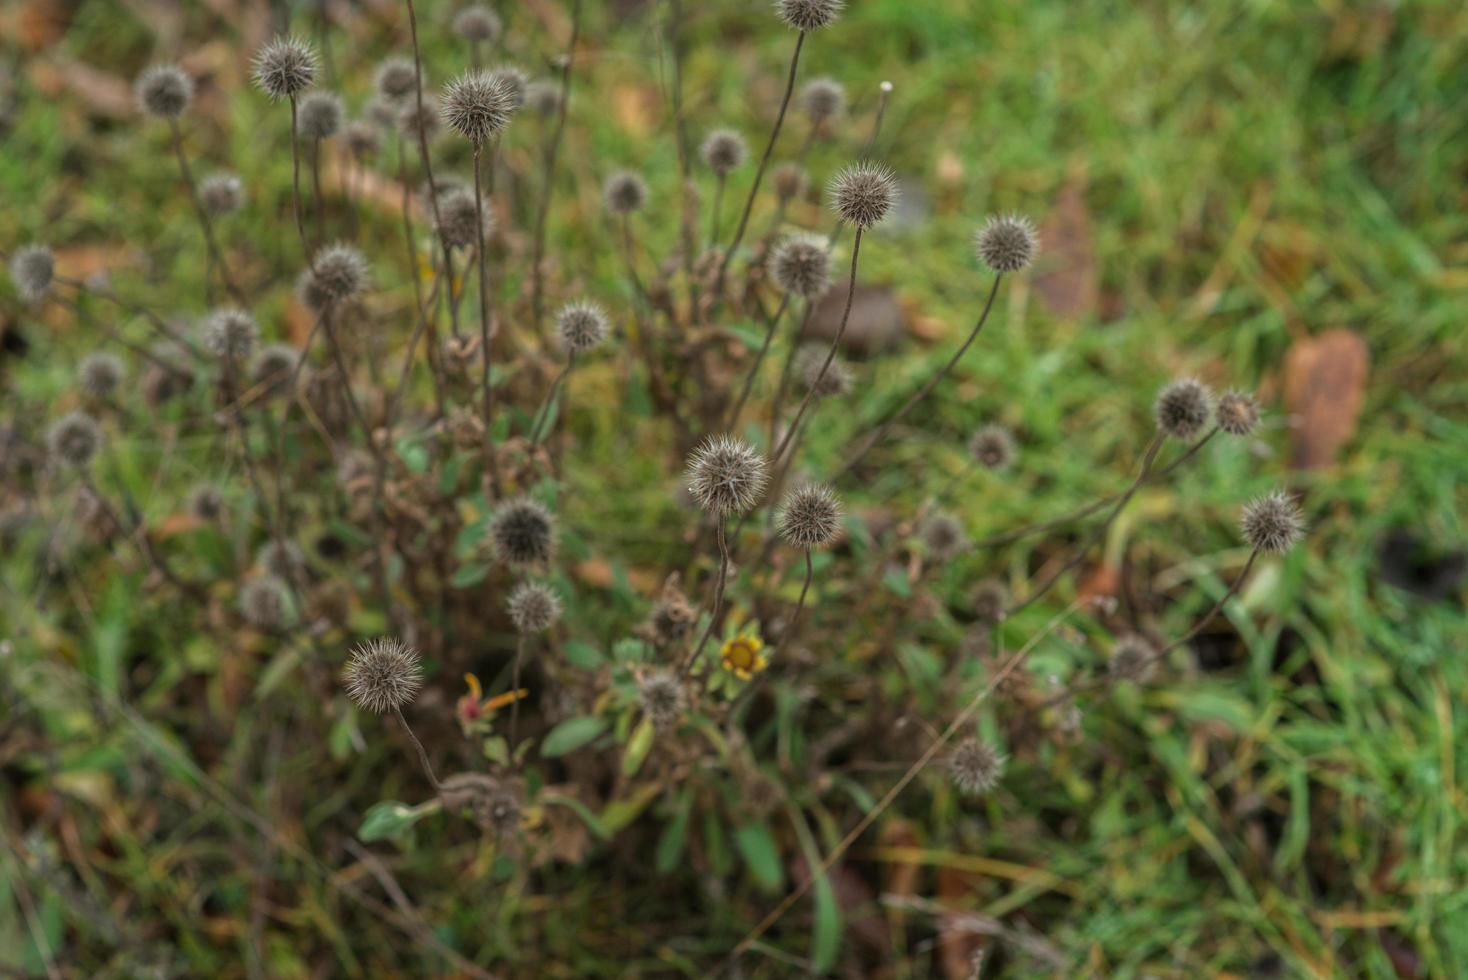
(1302, 806)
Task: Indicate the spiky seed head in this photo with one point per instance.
(206, 502)
(1007, 242)
(285, 67)
(382, 113)
(543, 97)
(823, 99)
(1132, 659)
(99, 374)
(943, 536)
(975, 766)
(477, 23)
(808, 15)
(992, 447)
(863, 194)
(164, 91)
(723, 150)
(1273, 523)
(32, 267)
(273, 368)
(810, 517)
(74, 438)
(991, 599)
(411, 121)
(282, 559)
(523, 532)
(460, 218)
(230, 333)
(802, 265)
(790, 181)
(1237, 412)
(534, 608)
(726, 475)
(581, 326)
(395, 79)
(162, 384)
(836, 379)
(625, 192)
(383, 675)
(363, 139)
(495, 806)
(663, 698)
(1183, 408)
(672, 616)
(320, 115)
(514, 78)
(338, 273)
(477, 105)
(221, 194)
(264, 604)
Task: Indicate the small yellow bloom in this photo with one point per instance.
(741, 656)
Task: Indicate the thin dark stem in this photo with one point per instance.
(484, 333)
(215, 256)
(316, 191)
(688, 225)
(718, 605)
(718, 207)
(422, 755)
(552, 152)
(758, 360)
(159, 325)
(515, 693)
(438, 381)
(542, 414)
(296, 185)
(777, 406)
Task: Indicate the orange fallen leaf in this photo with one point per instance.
(1324, 387)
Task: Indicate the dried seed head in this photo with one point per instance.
(1237, 412)
(808, 15)
(263, 603)
(991, 599)
(943, 536)
(580, 327)
(206, 502)
(975, 766)
(790, 181)
(230, 333)
(221, 194)
(411, 121)
(823, 99)
(460, 218)
(663, 699)
(395, 79)
(164, 91)
(282, 559)
(534, 608)
(382, 113)
(285, 67)
(320, 115)
(161, 384)
(723, 150)
(338, 273)
(477, 105)
(992, 447)
(802, 265)
(494, 806)
(363, 139)
(99, 375)
(477, 23)
(625, 192)
(383, 675)
(726, 475)
(835, 382)
(273, 368)
(74, 438)
(543, 97)
(32, 267)
(1273, 523)
(513, 78)
(1007, 242)
(1132, 659)
(672, 616)
(810, 517)
(863, 194)
(1183, 408)
(523, 532)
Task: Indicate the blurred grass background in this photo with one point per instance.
(1217, 184)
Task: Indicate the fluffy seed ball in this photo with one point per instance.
(74, 438)
(723, 150)
(412, 122)
(99, 375)
(230, 333)
(1132, 659)
(790, 181)
(32, 267)
(320, 115)
(221, 194)
(810, 517)
(362, 138)
(672, 616)
(991, 599)
(823, 99)
(863, 194)
(534, 608)
(164, 91)
(460, 217)
(625, 192)
(836, 379)
(975, 767)
(1238, 413)
(580, 327)
(726, 475)
(514, 79)
(662, 698)
(1273, 523)
(285, 67)
(338, 273)
(263, 603)
(992, 447)
(383, 675)
(1183, 408)
(808, 15)
(1007, 243)
(477, 23)
(943, 536)
(523, 532)
(395, 79)
(801, 265)
(273, 368)
(543, 97)
(477, 105)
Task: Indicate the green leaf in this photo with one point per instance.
(637, 748)
(896, 581)
(592, 821)
(571, 734)
(581, 654)
(468, 575)
(757, 846)
(391, 820)
(670, 847)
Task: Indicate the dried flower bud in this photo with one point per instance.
(230, 333)
(802, 265)
(992, 447)
(513, 78)
(412, 121)
(74, 438)
(99, 375)
(206, 502)
(943, 536)
(363, 139)
(1183, 408)
(790, 181)
(1132, 659)
(1007, 243)
(1237, 412)
(663, 699)
(625, 192)
(1273, 523)
(273, 369)
(810, 517)
(534, 608)
(460, 218)
(991, 600)
(823, 99)
(580, 327)
(523, 532)
(264, 604)
(383, 675)
(723, 150)
(543, 97)
(32, 267)
(975, 767)
(808, 15)
(338, 273)
(833, 382)
(282, 559)
(477, 105)
(672, 616)
(164, 91)
(320, 115)
(477, 23)
(494, 806)
(726, 475)
(863, 194)
(221, 194)
(285, 67)
(395, 79)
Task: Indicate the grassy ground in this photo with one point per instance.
(1241, 177)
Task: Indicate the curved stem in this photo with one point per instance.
(484, 334)
(215, 256)
(537, 274)
(422, 755)
(515, 693)
(758, 360)
(542, 414)
(718, 606)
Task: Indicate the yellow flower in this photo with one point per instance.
(741, 656)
